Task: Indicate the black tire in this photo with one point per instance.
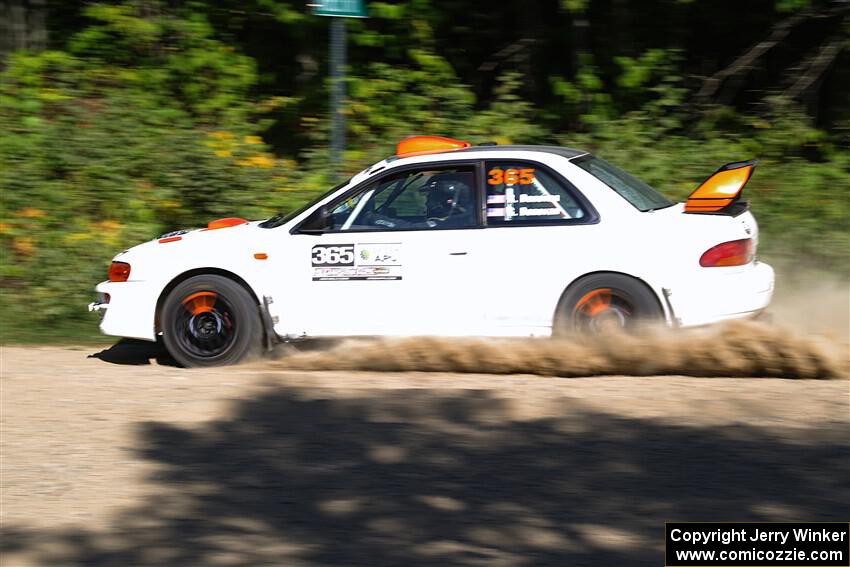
(597, 303)
(210, 320)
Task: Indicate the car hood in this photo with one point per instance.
(194, 246)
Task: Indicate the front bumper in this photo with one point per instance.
(718, 294)
(129, 311)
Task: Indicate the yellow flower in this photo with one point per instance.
(31, 213)
(23, 246)
(169, 204)
(256, 161)
(108, 225)
(262, 161)
(52, 95)
(223, 153)
(75, 237)
(253, 140)
(221, 135)
(5, 228)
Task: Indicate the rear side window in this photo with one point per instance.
(520, 193)
(639, 194)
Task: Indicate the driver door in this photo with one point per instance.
(387, 258)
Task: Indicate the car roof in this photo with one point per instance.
(393, 161)
(568, 153)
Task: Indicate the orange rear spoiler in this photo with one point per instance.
(717, 193)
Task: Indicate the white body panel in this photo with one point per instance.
(494, 281)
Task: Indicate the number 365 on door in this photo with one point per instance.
(338, 255)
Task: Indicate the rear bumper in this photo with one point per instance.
(719, 294)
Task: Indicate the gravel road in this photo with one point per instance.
(109, 458)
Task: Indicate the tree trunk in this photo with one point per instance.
(23, 25)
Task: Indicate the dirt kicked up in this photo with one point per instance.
(735, 349)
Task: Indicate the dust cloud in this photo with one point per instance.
(805, 336)
(812, 302)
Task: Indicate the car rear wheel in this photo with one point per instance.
(603, 303)
(210, 320)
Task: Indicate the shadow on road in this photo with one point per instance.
(418, 478)
(135, 352)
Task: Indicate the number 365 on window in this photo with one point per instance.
(498, 176)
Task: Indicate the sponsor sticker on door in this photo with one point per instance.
(346, 262)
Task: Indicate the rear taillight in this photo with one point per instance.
(119, 272)
(735, 253)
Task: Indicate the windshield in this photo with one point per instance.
(283, 218)
(639, 194)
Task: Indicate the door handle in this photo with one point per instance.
(457, 253)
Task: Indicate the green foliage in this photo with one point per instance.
(175, 57)
(96, 157)
(791, 5)
(585, 97)
(576, 6)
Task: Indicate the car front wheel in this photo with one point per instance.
(210, 320)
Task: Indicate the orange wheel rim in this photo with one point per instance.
(201, 302)
(594, 302)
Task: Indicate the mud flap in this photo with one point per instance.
(674, 321)
(270, 338)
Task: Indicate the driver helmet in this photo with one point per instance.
(448, 194)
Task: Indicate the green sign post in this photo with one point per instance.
(338, 9)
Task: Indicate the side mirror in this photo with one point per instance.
(317, 223)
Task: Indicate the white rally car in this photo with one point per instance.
(445, 238)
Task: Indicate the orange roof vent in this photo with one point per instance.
(224, 223)
(421, 145)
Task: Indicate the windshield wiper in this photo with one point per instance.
(274, 221)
